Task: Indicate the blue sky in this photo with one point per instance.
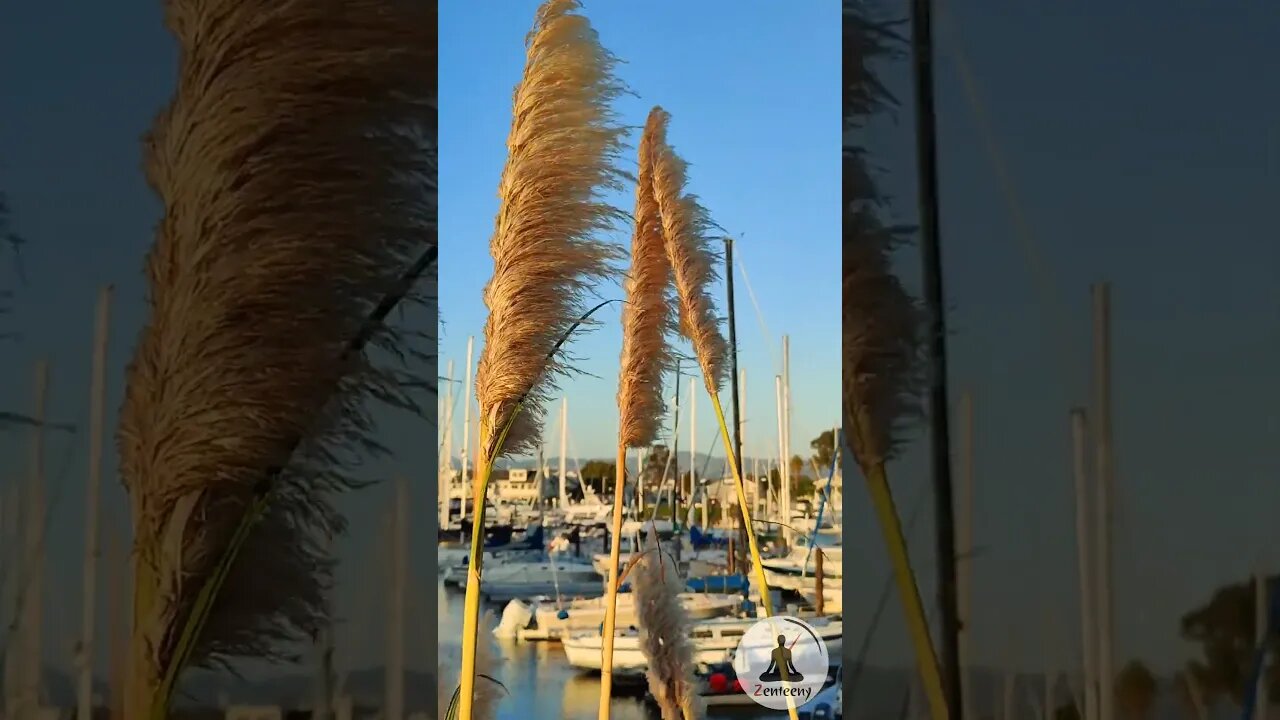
(754, 98)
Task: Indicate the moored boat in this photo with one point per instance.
(545, 619)
(714, 641)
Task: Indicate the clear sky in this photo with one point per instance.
(1144, 152)
(754, 98)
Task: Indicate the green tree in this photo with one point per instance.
(797, 467)
(803, 487)
(824, 448)
(1135, 691)
(1223, 628)
(655, 463)
(598, 470)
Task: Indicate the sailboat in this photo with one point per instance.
(545, 618)
(591, 511)
(714, 641)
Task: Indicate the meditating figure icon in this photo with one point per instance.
(780, 665)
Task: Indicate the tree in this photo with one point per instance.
(598, 469)
(1135, 691)
(655, 463)
(824, 449)
(797, 467)
(1223, 628)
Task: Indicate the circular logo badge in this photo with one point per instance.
(779, 658)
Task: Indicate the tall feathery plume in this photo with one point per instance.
(686, 226)
(664, 634)
(646, 323)
(296, 168)
(881, 324)
(563, 149)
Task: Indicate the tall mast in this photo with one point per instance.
(446, 478)
(466, 419)
(931, 256)
(564, 450)
(965, 554)
(1102, 439)
(675, 453)
(97, 411)
(1088, 624)
(31, 628)
(395, 639)
(786, 433)
(693, 449)
(782, 454)
(738, 392)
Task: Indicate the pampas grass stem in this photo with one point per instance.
(685, 224)
(561, 157)
(753, 545)
(611, 590)
(484, 470)
(646, 321)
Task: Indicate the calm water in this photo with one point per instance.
(543, 685)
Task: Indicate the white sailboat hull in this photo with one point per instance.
(588, 614)
(584, 650)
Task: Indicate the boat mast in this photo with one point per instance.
(396, 627)
(738, 383)
(675, 455)
(1101, 420)
(97, 411)
(786, 433)
(936, 344)
(693, 450)
(564, 449)
(781, 514)
(1084, 562)
(466, 419)
(446, 476)
(964, 578)
(31, 577)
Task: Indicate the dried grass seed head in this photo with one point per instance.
(647, 318)
(296, 168)
(563, 150)
(687, 231)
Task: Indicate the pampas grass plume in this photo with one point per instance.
(295, 165)
(562, 152)
(647, 316)
(686, 225)
(664, 634)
